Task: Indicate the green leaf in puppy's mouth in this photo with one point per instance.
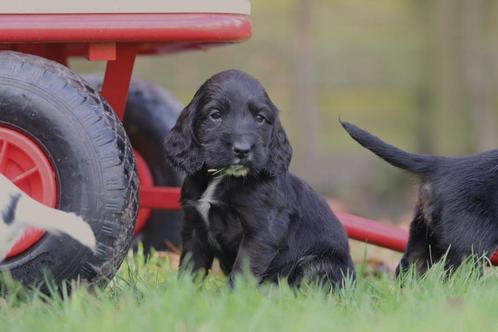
(233, 170)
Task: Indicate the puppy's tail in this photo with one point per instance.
(415, 163)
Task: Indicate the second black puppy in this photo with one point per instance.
(457, 212)
(239, 200)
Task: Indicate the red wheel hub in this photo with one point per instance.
(25, 163)
(146, 180)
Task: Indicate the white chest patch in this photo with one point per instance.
(204, 203)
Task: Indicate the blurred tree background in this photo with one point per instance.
(420, 74)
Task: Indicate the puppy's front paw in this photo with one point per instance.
(76, 228)
(84, 234)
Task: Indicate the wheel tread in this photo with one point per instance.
(114, 147)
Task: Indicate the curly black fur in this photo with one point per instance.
(266, 216)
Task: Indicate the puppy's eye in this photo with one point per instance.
(260, 118)
(215, 115)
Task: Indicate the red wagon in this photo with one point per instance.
(66, 146)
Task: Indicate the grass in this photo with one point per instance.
(150, 297)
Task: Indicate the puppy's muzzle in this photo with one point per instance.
(242, 150)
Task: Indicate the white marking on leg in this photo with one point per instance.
(29, 212)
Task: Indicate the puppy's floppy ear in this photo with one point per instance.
(280, 151)
(181, 145)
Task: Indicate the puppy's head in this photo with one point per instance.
(231, 124)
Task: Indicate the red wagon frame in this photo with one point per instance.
(118, 39)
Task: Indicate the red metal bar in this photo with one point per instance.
(117, 77)
(373, 232)
(383, 235)
(101, 51)
(358, 228)
(78, 28)
(160, 197)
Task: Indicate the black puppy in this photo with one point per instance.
(457, 212)
(240, 202)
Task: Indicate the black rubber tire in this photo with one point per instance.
(151, 112)
(93, 160)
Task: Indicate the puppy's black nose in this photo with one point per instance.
(241, 149)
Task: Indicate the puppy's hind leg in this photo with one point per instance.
(333, 272)
(421, 249)
(470, 238)
(242, 262)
